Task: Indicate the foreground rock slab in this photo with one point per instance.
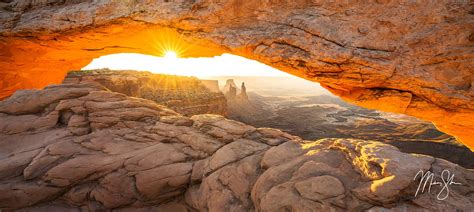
(79, 146)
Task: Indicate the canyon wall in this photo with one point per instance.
(407, 57)
(186, 95)
(212, 85)
(78, 146)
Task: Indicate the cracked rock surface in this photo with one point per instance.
(78, 146)
(404, 57)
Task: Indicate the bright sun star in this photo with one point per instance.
(170, 55)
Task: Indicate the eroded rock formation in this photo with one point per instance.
(186, 95)
(230, 89)
(243, 92)
(76, 146)
(234, 95)
(409, 57)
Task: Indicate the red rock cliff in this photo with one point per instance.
(186, 95)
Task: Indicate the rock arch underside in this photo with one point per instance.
(411, 58)
(402, 57)
(407, 58)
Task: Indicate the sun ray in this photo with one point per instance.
(168, 40)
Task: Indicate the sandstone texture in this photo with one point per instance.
(78, 146)
(405, 57)
(185, 95)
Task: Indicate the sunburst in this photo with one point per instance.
(169, 44)
(170, 54)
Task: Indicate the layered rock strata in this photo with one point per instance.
(410, 57)
(79, 146)
(186, 95)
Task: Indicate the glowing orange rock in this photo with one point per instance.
(408, 58)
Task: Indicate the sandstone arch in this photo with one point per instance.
(411, 58)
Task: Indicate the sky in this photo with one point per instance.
(257, 76)
(201, 67)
